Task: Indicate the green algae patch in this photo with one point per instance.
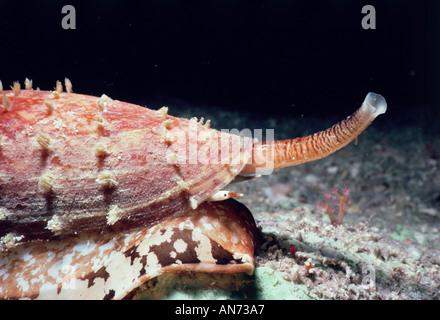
(271, 285)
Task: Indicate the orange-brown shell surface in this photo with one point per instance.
(71, 163)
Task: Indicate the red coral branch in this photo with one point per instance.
(336, 219)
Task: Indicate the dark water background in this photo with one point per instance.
(300, 59)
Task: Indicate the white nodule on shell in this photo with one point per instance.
(46, 182)
(100, 149)
(28, 84)
(114, 214)
(43, 140)
(68, 85)
(59, 86)
(193, 203)
(55, 94)
(16, 88)
(9, 240)
(54, 224)
(4, 213)
(49, 106)
(6, 102)
(107, 179)
(162, 112)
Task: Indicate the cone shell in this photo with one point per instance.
(216, 237)
(72, 164)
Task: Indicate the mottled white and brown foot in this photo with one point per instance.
(216, 237)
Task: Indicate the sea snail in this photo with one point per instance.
(98, 195)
